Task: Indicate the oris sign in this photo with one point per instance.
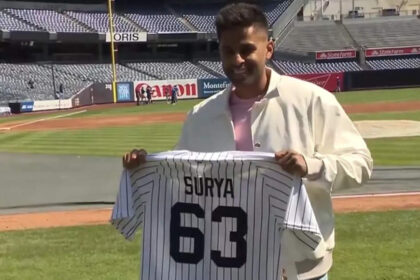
(131, 37)
(187, 89)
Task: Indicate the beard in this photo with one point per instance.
(245, 77)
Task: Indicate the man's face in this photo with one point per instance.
(244, 51)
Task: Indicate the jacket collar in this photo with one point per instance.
(222, 103)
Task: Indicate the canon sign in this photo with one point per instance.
(187, 88)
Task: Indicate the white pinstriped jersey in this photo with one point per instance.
(212, 215)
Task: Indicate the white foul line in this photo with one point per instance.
(43, 119)
(376, 195)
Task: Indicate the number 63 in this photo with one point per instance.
(177, 231)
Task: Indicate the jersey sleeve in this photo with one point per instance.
(125, 217)
(301, 227)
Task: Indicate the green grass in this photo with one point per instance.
(377, 246)
(395, 151)
(382, 95)
(28, 117)
(370, 246)
(183, 106)
(115, 141)
(353, 97)
(108, 141)
(409, 115)
(94, 252)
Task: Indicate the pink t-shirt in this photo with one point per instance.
(241, 117)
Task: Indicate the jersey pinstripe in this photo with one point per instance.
(212, 215)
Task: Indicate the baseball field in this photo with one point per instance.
(372, 242)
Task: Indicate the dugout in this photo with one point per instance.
(382, 79)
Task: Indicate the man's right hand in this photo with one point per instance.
(134, 158)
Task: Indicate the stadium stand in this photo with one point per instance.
(171, 70)
(291, 67)
(101, 72)
(385, 32)
(48, 20)
(157, 19)
(151, 18)
(303, 38)
(315, 36)
(406, 63)
(203, 16)
(200, 16)
(8, 22)
(14, 78)
(15, 82)
(213, 65)
(273, 10)
(331, 8)
(99, 21)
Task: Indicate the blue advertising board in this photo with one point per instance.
(26, 106)
(125, 92)
(208, 87)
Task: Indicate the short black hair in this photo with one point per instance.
(240, 15)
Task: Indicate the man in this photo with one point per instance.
(149, 94)
(31, 83)
(338, 86)
(174, 94)
(302, 124)
(139, 95)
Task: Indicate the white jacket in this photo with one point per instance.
(301, 116)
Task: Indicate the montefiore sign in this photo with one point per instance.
(340, 54)
(378, 52)
(27, 106)
(208, 87)
(160, 89)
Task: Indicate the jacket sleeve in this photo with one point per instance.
(185, 134)
(346, 160)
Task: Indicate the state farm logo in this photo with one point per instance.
(335, 54)
(414, 50)
(375, 53)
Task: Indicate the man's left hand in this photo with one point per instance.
(292, 162)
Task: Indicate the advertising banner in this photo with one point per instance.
(26, 106)
(101, 93)
(125, 92)
(4, 111)
(161, 88)
(208, 87)
(340, 54)
(329, 81)
(379, 52)
(127, 37)
(41, 105)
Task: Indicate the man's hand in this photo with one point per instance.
(292, 162)
(134, 158)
